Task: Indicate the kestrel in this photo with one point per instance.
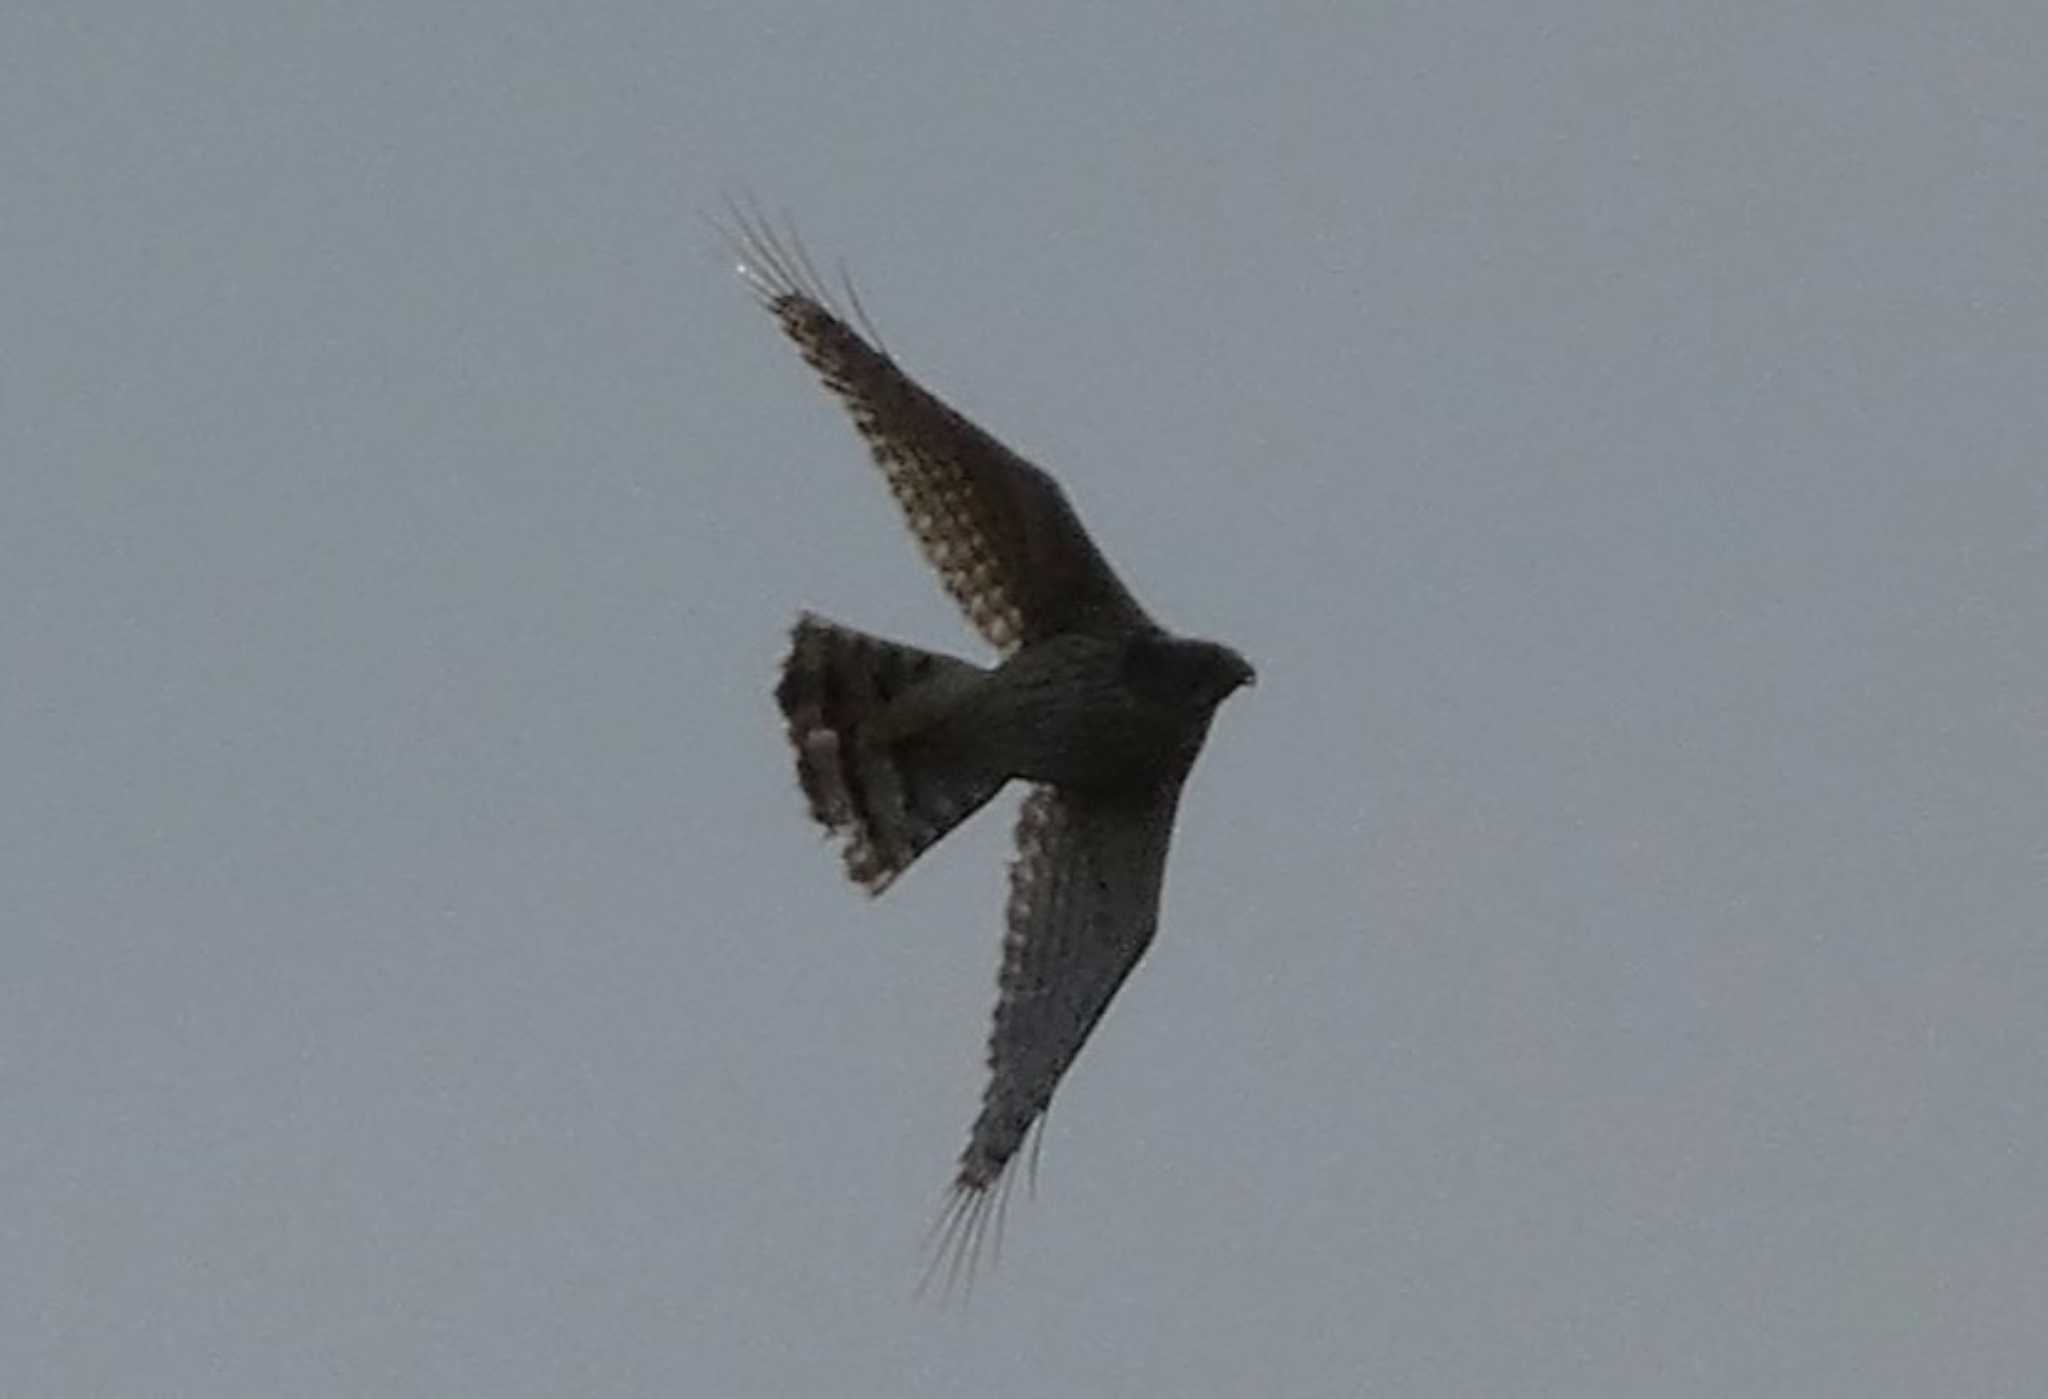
(1092, 702)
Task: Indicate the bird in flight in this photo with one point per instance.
(1091, 702)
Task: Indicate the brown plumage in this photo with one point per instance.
(1092, 702)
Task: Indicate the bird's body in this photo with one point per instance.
(1065, 711)
(1091, 702)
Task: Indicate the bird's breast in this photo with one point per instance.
(1061, 712)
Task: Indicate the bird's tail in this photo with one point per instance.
(872, 751)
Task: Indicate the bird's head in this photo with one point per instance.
(1196, 675)
(1238, 669)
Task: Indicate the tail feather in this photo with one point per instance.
(864, 717)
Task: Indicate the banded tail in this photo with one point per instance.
(878, 764)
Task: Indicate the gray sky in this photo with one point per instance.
(1604, 956)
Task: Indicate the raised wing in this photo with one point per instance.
(1000, 532)
(1084, 902)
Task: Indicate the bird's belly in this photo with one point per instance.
(1078, 739)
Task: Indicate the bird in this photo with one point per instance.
(1095, 706)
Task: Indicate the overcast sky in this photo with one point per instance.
(1604, 956)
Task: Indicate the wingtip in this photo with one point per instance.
(769, 257)
(754, 281)
(970, 1221)
(770, 260)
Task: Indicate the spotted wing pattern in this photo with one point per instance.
(1084, 902)
(1005, 542)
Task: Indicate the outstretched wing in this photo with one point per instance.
(1084, 901)
(1000, 532)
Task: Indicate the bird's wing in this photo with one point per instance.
(1000, 532)
(1084, 901)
